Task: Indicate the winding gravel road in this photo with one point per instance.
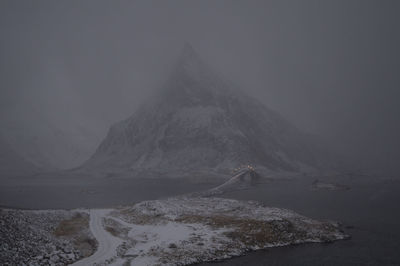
(107, 244)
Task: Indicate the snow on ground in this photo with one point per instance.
(186, 230)
(107, 244)
(172, 242)
(47, 237)
(174, 231)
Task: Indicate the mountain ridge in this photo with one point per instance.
(200, 122)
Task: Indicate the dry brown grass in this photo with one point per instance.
(135, 217)
(249, 231)
(76, 229)
(115, 228)
(86, 245)
(72, 226)
(112, 231)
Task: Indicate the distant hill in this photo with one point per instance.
(53, 134)
(200, 123)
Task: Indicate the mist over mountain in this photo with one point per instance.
(12, 164)
(200, 122)
(53, 131)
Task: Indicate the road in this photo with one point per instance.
(107, 244)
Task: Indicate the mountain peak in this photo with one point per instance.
(188, 51)
(199, 123)
(192, 81)
(189, 61)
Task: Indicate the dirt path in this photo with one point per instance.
(107, 244)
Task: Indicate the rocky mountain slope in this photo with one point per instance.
(199, 122)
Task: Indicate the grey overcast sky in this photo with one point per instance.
(330, 67)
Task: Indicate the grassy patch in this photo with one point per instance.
(112, 231)
(86, 245)
(76, 229)
(115, 228)
(72, 226)
(249, 231)
(132, 216)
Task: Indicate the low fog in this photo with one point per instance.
(71, 69)
(189, 132)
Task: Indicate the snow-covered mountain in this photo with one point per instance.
(199, 122)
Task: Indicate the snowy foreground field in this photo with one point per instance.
(54, 237)
(174, 231)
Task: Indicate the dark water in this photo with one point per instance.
(45, 194)
(370, 210)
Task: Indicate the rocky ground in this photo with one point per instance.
(182, 231)
(174, 231)
(44, 237)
